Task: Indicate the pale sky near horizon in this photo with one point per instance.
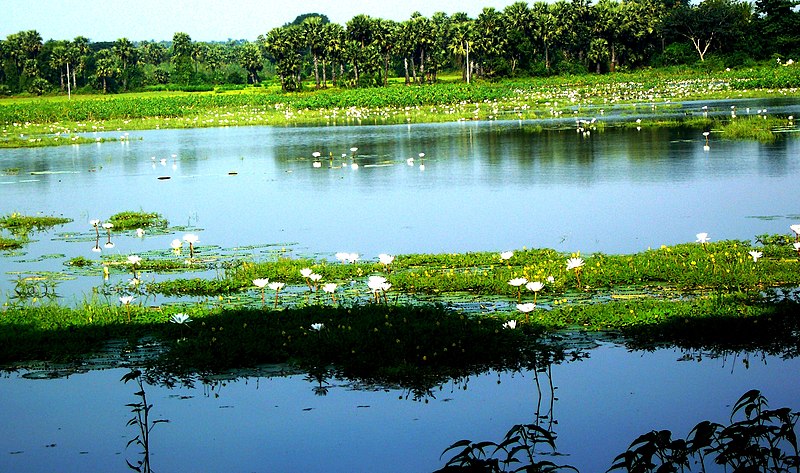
(203, 20)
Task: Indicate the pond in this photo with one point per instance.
(481, 186)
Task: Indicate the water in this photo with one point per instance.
(487, 186)
(279, 424)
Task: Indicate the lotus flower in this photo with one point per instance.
(317, 326)
(191, 239)
(276, 286)
(180, 319)
(526, 308)
(755, 255)
(576, 263)
(796, 229)
(512, 324)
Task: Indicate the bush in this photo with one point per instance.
(676, 54)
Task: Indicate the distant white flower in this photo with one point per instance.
(795, 228)
(506, 255)
(512, 324)
(702, 238)
(134, 260)
(354, 149)
(353, 257)
(343, 257)
(376, 283)
(140, 232)
(527, 307)
(191, 238)
(330, 288)
(276, 286)
(551, 279)
(306, 272)
(316, 154)
(94, 222)
(517, 282)
(421, 155)
(108, 225)
(755, 255)
(180, 318)
(534, 286)
(315, 277)
(176, 244)
(574, 263)
(385, 259)
(797, 246)
(261, 282)
(126, 299)
(317, 326)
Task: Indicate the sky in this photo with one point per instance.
(203, 20)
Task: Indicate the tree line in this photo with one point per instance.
(540, 39)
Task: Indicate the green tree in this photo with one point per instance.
(313, 34)
(285, 45)
(182, 50)
(779, 23)
(252, 61)
(519, 30)
(106, 67)
(126, 55)
(712, 22)
(461, 44)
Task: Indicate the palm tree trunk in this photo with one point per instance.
(316, 70)
(405, 65)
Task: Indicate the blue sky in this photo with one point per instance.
(203, 20)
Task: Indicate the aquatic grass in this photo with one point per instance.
(131, 220)
(20, 224)
(7, 244)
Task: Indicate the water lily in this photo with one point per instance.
(140, 232)
(180, 319)
(797, 247)
(526, 308)
(378, 285)
(108, 226)
(96, 224)
(385, 260)
(191, 239)
(512, 324)
(755, 255)
(518, 283)
(506, 255)
(261, 283)
(576, 264)
(176, 245)
(330, 288)
(317, 326)
(702, 238)
(796, 229)
(315, 278)
(276, 286)
(126, 301)
(134, 261)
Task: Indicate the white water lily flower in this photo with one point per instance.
(126, 299)
(353, 257)
(108, 225)
(140, 232)
(330, 287)
(180, 318)
(134, 260)
(176, 244)
(517, 282)
(315, 277)
(94, 222)
(535, 286)
(276, 286)
(702, 238)
(376, 283)
(574, 263)
(306, 272)
(343, 257)
(527, 307)
(551, 279)
(795, 228)
(506, 255)
(316, 154)
(755, 255)
(261, 282)
(191, 238)
(317, 326)
(385, 259)
(512, 324)
(797, 246)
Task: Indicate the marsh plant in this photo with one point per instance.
(141, 422)
(758, 439)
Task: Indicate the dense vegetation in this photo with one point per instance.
(541, 39)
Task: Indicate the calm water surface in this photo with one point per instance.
(279, 424)
(484, 186)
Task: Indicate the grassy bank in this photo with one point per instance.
(440, 314)
(55, 120)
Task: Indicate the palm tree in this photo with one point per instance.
(124, 51)
(106, 67)
(315, 41)
(461, 44)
